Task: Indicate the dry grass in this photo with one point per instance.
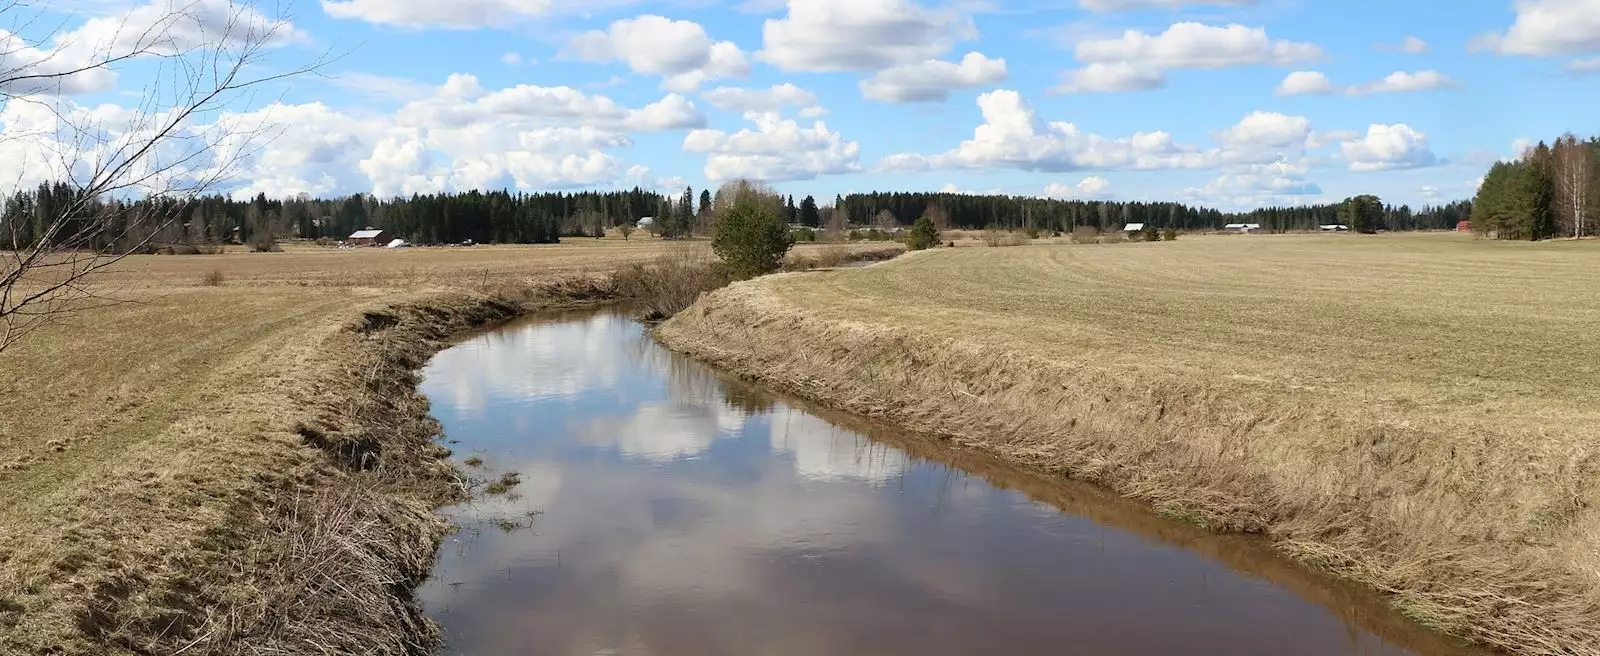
(1414, 412)
(671, 282)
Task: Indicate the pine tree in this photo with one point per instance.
(750, 238)
(705, 202)
(923, 235)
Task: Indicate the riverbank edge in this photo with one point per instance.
(366, 517)
(989, 398)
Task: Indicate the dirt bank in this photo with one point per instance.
(292, 513)
(1420, 508)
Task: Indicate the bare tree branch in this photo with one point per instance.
(208, 55)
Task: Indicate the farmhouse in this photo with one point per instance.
(1334, 227)
(1133, 227)
(368, 237)
(1242, 227)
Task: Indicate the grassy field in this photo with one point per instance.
(1415, 412)
(158, 487)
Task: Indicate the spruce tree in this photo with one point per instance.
(809, 215)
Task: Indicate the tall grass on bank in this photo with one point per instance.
(670, 283)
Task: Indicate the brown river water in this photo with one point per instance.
(666, 509)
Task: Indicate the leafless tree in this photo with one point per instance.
(939, 217)
(749, 191)
(885, 220)
(838, 224)
(200, 57)
(1573, 169)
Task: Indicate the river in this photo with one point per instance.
(664, 509)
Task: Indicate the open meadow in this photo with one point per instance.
(1416, 412)
(161, 481)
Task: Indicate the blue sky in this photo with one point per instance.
(1228, 103)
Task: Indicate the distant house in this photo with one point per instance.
(1464, 226)
(1334, 227)
(646, 222)
(368, 237)
(1133, 227)
(1242, 227)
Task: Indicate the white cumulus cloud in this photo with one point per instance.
(679, 51)
(1111, 78)
(455, 14)
(1093, 187)
(1139, 61)
(1305, 82)
(1281, 182)
(1012, 136)
(842, 35)
(1126, 5)
(1312, 82)
(1403, 82)
(933, 80)
(1548, 27)
(778, 149)
(1389, 147)
(772, 100)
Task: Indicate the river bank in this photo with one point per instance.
(1473, 516)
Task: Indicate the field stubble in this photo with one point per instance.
(1412, 412)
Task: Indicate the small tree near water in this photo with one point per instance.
(923, 235)
(750, 239)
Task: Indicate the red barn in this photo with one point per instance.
(1464, 226)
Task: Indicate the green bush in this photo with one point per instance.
(923, 235)
(1150, 234)
(750, 239)
(1085, 235)
(806, 235)
(1032, 233)
(1169, 234)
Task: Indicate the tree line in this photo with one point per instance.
(496, 216)
(513, 217)
(972, 212)
(1548, 191)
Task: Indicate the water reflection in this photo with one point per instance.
(665, 511)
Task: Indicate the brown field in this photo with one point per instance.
(1415, 412)
(161, 487)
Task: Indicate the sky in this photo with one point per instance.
(1225, 103)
